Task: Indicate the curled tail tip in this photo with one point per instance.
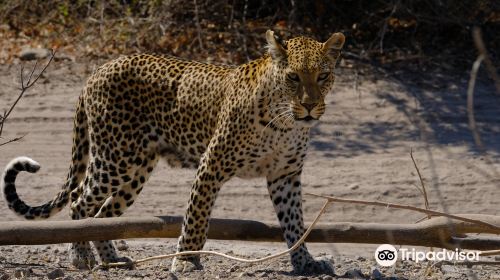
(7, 181)
(23, 164)
(9, 193)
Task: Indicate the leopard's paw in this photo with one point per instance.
(81, 258)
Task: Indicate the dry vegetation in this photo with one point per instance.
(232, 31)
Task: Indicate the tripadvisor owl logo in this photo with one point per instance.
(386, 255)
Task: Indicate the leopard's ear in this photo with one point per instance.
(276, 50)
(334, 44)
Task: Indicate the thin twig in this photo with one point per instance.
(198, 26)
(470, 102)
(258, 260)
(231, 16)
(244, 27)
(13, 140)
(423, 190)
(31, 73)
(478, 41)
(407, 207)
(490, 253)
(356, 87)
(466, 263)
(384, 27)
(483, 56)
(25, 87)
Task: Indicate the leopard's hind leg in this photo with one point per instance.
(116, 204)
(107, 191)
(80, 253)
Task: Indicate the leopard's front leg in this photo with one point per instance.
(212, 173)
(285, 191)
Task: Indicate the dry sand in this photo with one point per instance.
(359, 150)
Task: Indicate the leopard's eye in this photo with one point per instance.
(294, 77)
(323, 76)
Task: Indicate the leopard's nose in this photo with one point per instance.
(309, 106)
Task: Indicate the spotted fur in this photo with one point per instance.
(247, 121)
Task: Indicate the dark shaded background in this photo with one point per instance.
(231, 31)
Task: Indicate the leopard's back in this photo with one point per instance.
(174, 102)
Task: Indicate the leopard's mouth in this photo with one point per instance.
(307, 119)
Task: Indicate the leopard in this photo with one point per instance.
(247, 121)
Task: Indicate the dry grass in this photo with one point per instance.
(232, 31)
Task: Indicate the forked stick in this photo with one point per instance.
(24, 87)
(407, 207)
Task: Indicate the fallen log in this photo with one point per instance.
(436, 232)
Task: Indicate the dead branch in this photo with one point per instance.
(487, 226)
(428, 233)
(24, 87)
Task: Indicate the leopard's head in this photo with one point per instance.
(303, 75)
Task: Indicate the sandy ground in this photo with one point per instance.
(359, 150)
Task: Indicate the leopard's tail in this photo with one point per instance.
(76, 173)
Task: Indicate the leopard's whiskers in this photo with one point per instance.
(280, 115)
(290, 118)
(283, 120)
